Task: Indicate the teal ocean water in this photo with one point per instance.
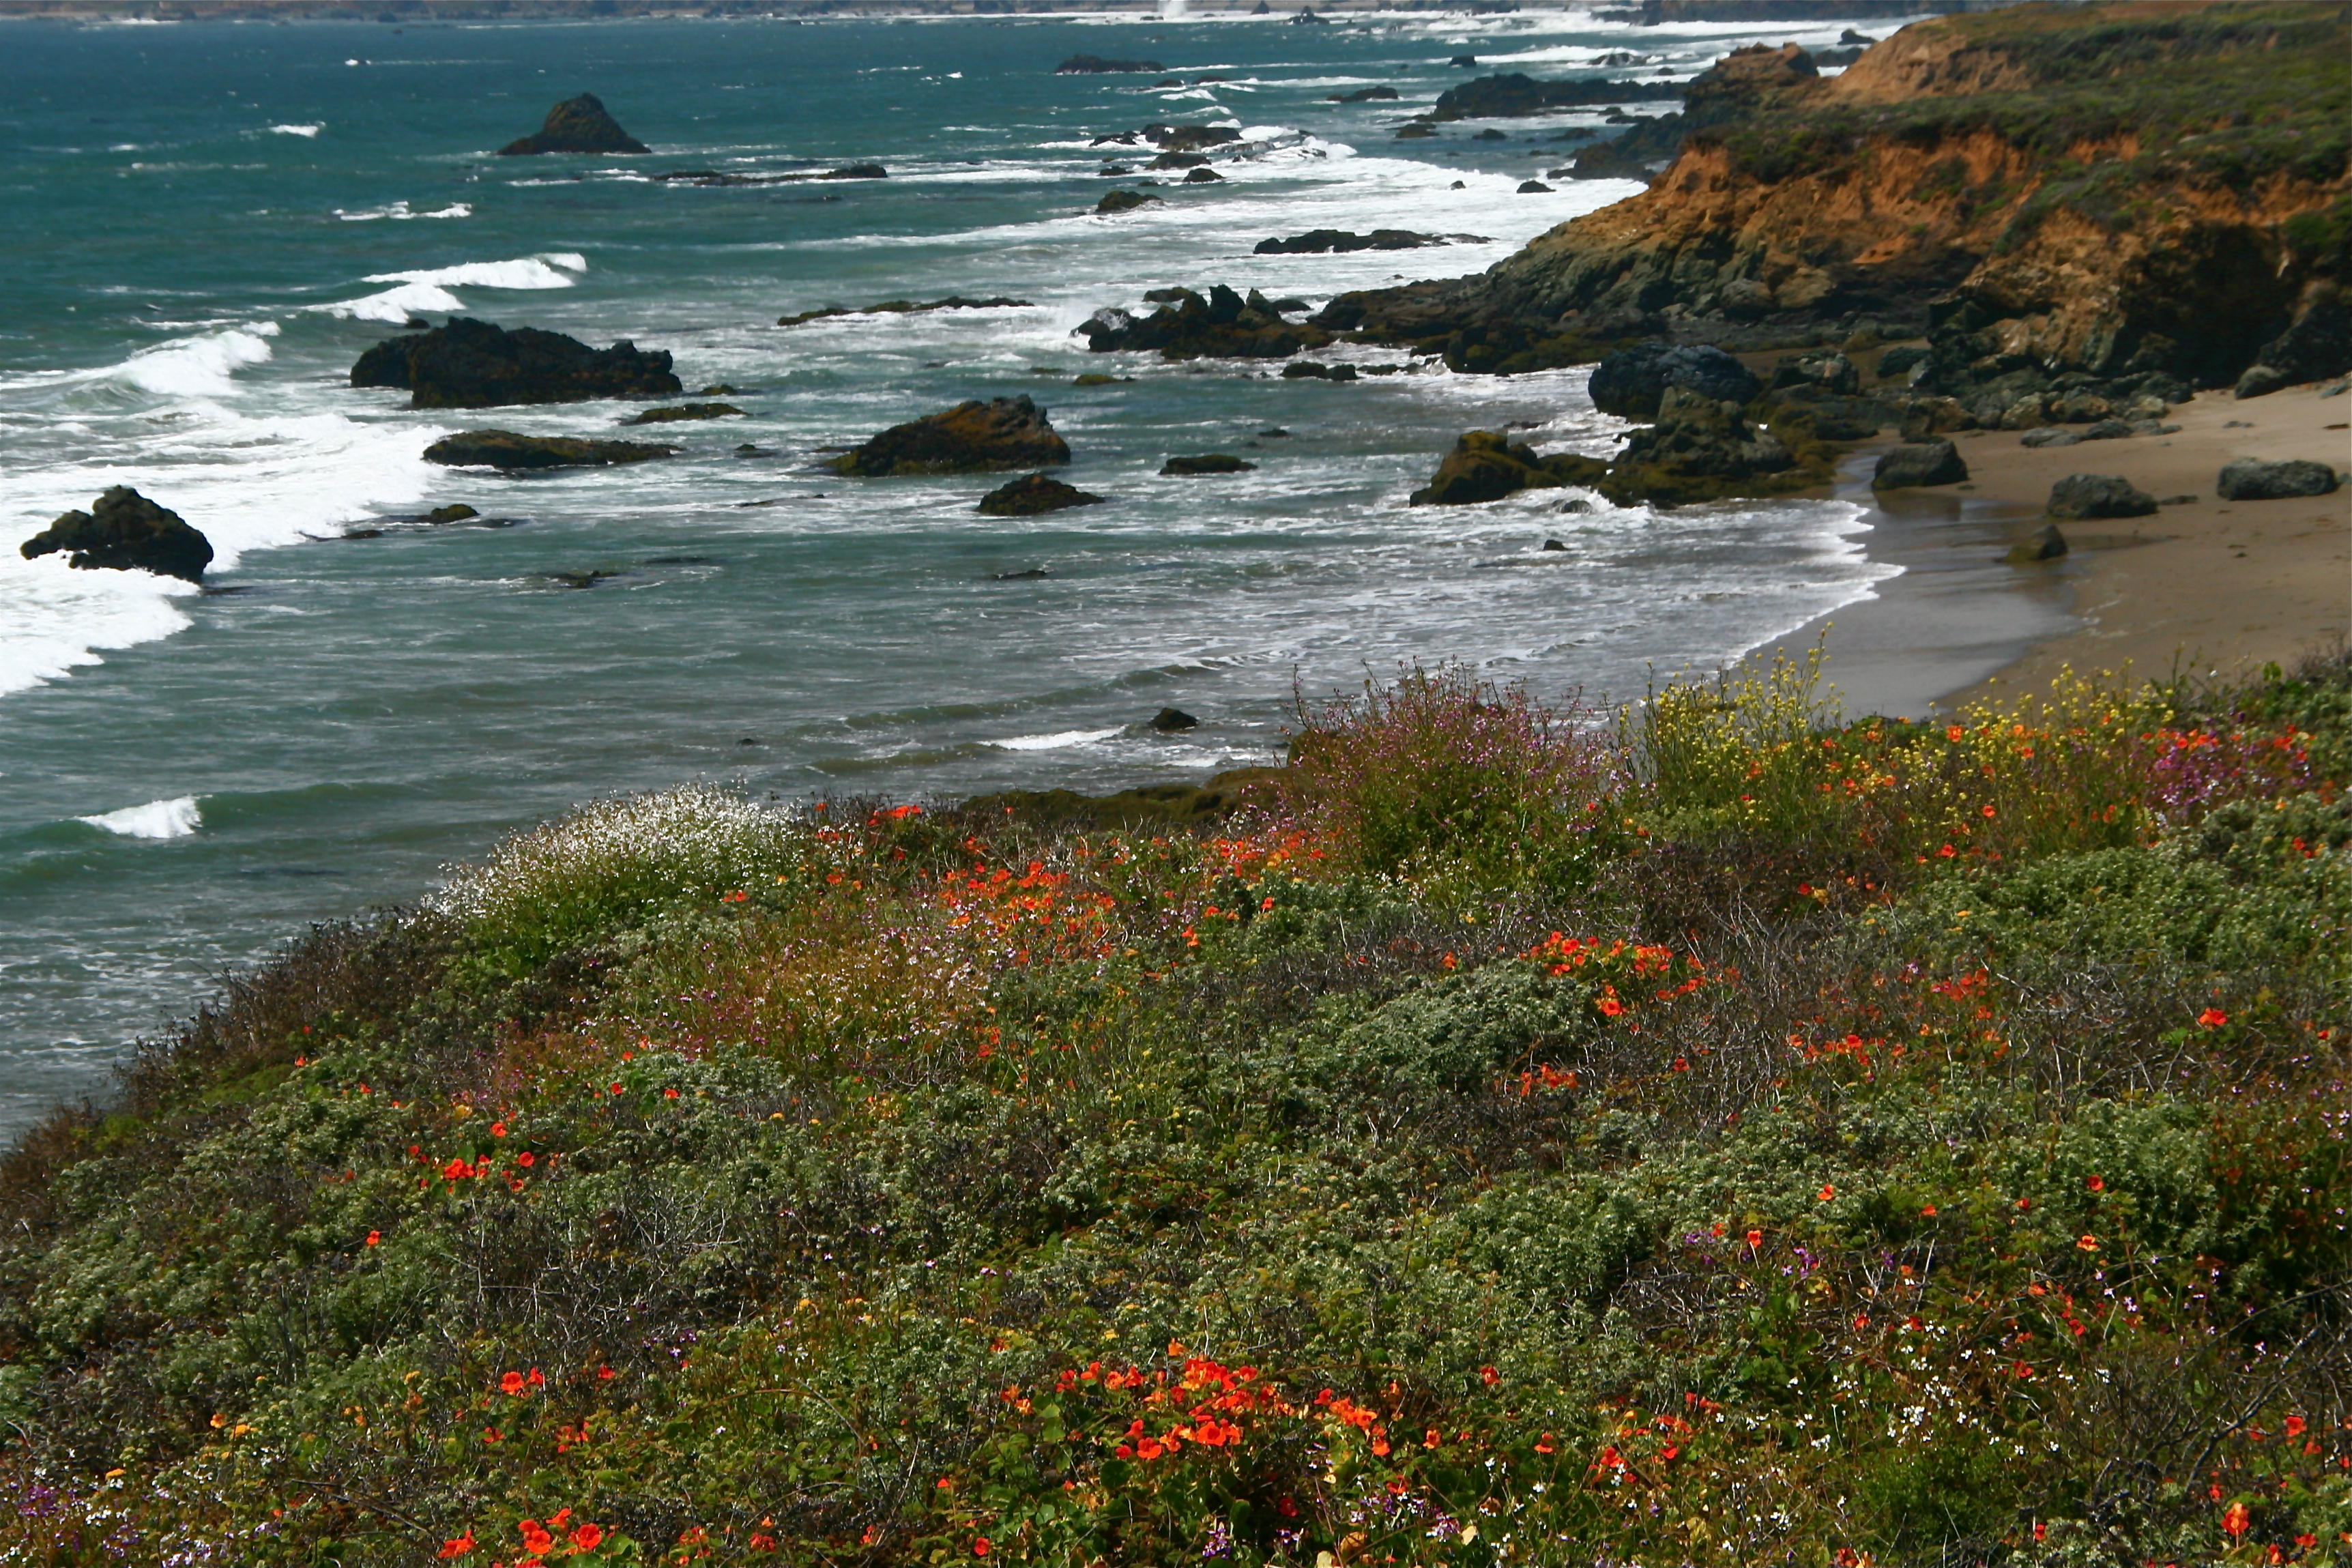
(207, 224)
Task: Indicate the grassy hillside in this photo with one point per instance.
(1716, 1133)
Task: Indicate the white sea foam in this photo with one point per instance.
(198, 366)
(1051, 743)
(402, 211)
(298, 130)
(427, 289)
(175, 818)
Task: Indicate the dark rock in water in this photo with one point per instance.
(1309, 19)
(1308, 370)
(478, 365)
(1699, 449)
(1096, 378)
(2099, 495)
(1631, 381)
(579, 579)
(576, 125)
(456, 511)
(1925, 463)
(1463, 62)
(1116, 202)
(1223, 325)
(1827, 370)
(749, 451)
(506, 449)
(1032, 574)
(971, 437)
(733, 177)
(1486, 464)
(857, 171)
(904, 308)
(1322, 241)
(1554, 545)
(1491, 135)
(124, 531)
(1035, 493)
(1534, 188)
(1185, 138)
(1094, 65)
(1416, 131)
(2251, 479)
(2048, 544)
(1203, 177)
(1178, 161)
(684, 411)
(1206, 463)
(1168, 721)
(1364, 95)
(1274, 433)
(1513, 95)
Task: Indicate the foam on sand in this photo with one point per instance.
(175, 818)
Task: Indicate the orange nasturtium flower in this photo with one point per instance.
(2235, 1519)
(2213, 1019)
(457, 1546)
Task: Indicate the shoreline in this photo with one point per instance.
(2203, 586)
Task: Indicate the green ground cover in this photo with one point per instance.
(1713, 1132)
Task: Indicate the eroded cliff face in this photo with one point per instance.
(2050, 181)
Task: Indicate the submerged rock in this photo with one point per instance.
(1631, 381)
(1222, 325)
(1364, 95)
(1168, 721)
(1096, 65)
(2099, 495)
(1486, 464)
(455, 511)
(1116, 202)
(479, 364)
(2048, 544)
(970, 437)
(1309, 370)
(509, 450)
(684, 411)
(576, 125)
(1206, 463)
(904, 308)
(124, 531)
(1032, 494)
(1922, 463)
(2252, 479)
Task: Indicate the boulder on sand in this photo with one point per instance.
(1031, 494)
(2251, 479)
(576, 125)
(1920, 463)
(478, 364)
(1631, 381)
(125, 532)
(507, 449)
(2048, 544)
(2099, 495)
(970, 438)
(1486, 464)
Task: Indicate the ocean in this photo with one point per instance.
(207, 224)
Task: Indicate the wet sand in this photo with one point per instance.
(2215, 588)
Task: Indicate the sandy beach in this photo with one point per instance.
(2207, 585)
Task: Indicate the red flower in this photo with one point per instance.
(1543, 1444)
(457, 1546)
(980, 1546)
(535, 1540)
(1489, 1376)
(2295, 1426)
(2213, 1019)
(1829, 1191)
(374, 1236)
(2236, 1518)
(498, 1129)
(605, 1375)
(669, 1094)
(511, 1384)
(587, 1538)
(2096, 1183)
(1610, 1007)
(1755, 1241)
(526, 1159)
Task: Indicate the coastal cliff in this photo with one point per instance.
(2119, 189)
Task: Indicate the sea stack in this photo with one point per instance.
(125, 532)
(576, 125)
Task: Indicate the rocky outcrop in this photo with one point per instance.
(1486, 464)
(2316, 345)
(1116, 202)
(1220, 325)
(1700, 449)
(2099, 495)
(1513, 95)
(576, 125)
(1325, 241)
(124, 531)
(478, 365)
(1172, 138)
(2251, 479)
(1032, 494)
(1309, 370)
(681, 413)
(1094, 65)
(1631, 381)
(1206, 463)
(1921, 463)
(507, 449)
(904, 308)
(455, 511)
(1364, 95)
(970, 438)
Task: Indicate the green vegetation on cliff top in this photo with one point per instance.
(1722, 1135)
